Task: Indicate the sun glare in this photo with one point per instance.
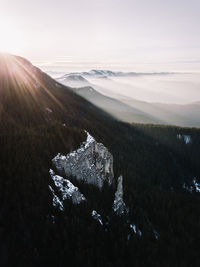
(11, 39)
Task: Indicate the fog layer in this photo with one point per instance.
(164, 88)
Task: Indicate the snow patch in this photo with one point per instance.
(156, 234)
(119, 205)
(187, 188)
(97, 216)
(195, 187)
(53, 219)
(56, 201)
(75, 153)
(135, 229)
(92, 163)
(67, 190)
(90, 139)
(186, 138)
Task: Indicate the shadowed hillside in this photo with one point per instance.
(40, 118)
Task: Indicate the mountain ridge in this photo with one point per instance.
(137, 111)
(40, 118)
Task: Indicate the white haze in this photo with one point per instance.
(150, 94)
(181, 84)
(165, 88)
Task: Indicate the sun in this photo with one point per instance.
(11, 38)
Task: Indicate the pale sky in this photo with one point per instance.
(105, 30)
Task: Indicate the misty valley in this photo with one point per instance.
(159, 98)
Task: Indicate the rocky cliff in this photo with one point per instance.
(91, 163)
(119, 205)
(66, 191)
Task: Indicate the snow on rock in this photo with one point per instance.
(119, 205)
(56, 201)
(66, 189)
(186, 138)
(135, 229)
(156, 234)
(91, 163)
(187, 188)
(195, 187)
(97, 216)
(49, 110)
(153, 230)
(53, 219)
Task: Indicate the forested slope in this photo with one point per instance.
(40, 118)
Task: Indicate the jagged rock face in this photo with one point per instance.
(66, 189)
(119, 205)
(91, 163)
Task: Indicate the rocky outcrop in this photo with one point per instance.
(185, 138)
(91, 163)
(97, 217)
(66, 189)
(135, 229)
(119, 205)
(194, 187)
(56, 200)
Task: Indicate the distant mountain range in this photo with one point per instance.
(73, 80)
(109, 73)
(128, 109)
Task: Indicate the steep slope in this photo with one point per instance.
(129, 109)
(29, 97)
(114, 107)
(41, 118)
(172, 114)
